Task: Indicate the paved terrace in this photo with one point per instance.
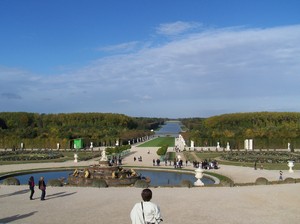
(272, 204)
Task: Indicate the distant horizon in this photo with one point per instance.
(170, 119)
(168, 58)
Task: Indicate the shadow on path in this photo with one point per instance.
(16, 217)
(59, 195)
(15, 193)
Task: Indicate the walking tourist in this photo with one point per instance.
(31, 187)
(42, 187)
(280, 175)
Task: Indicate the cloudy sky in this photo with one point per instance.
(158, 58)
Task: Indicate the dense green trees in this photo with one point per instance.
(46, 130)
(268, 129)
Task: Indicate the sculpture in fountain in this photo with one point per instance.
(112, 174)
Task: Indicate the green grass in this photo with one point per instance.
(159, 142)
(224, 181)
(171, 155)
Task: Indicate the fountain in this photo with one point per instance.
(112, 174)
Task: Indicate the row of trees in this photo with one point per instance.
(268, 129)
(46, 130)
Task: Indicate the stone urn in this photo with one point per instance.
(291, 165)
(199, 175)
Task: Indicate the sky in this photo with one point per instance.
(150, 58)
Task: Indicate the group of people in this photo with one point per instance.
(144, 212)
(157, 162)
(115, 161)
(206, 164)
(140, 159)
(42, 187)
(178, 163)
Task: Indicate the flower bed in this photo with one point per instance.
(29, 155)
(263, 157)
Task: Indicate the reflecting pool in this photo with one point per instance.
(170, 128)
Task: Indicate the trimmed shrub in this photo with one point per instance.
(186, 183)
(162, 150)
(141, 184)
(99, 183)
(55, 183)
(227, 183)
(11, 181)
(261, 181)
(289, 180)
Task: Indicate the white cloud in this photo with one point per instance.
(179, 27)
(201, 74)
(123, 47)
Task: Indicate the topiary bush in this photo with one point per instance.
(186, 183)
(55, 183)
(11, 181)
(289, 180)
(99, 183)
(141, 184)
(261, 181)
(162, 150)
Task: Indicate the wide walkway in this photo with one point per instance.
(236, 173)
(271, 204)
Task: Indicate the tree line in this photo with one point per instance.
(36, 130)
(267, 129)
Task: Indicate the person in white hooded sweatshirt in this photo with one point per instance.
(145, 212)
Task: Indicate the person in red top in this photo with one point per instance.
(31, 187)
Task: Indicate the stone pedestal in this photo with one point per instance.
(103, 163)
(103, 156)
(199, 175)
(227, 147)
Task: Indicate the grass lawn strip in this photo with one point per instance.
(159, 142)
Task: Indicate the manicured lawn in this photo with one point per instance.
(159, 142)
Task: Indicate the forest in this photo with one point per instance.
(268, 129)
(272, 130)
(46, 130)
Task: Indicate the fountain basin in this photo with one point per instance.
(158, 178)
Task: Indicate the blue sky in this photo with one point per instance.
(158, 58)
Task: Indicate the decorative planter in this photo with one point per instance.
(199, 175)
(291, 165)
